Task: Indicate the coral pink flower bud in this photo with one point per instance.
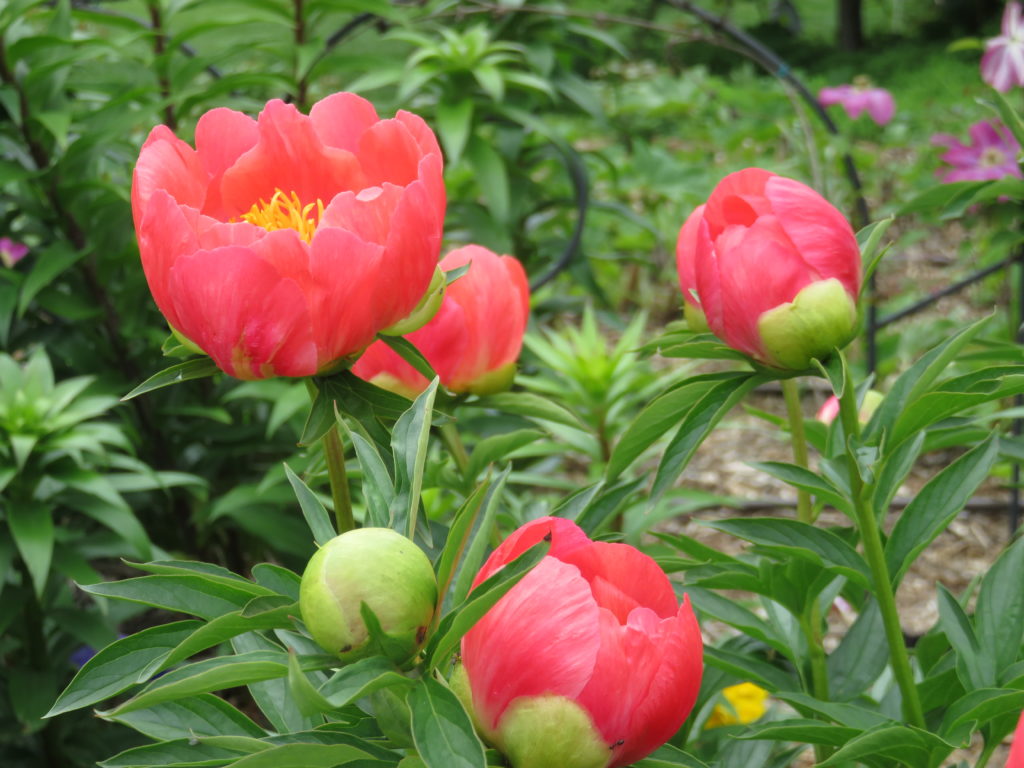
(777, 270)
(475, 337)
(588, 662)
(282, 245)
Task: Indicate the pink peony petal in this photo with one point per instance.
(341, 119)
(686, 254)
(239, 310)
(624, 578)
(738, 199)
(380, 359)
(167, 163)
(290, 157)
(538, 639)
(565, 536)
(822, 235)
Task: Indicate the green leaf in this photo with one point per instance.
(850, 715)
(317, 519)
(462, 618)
(441, 729)
(46, 266)
(31, 525)
(909, 746)
(458, 538)
(747, 667)
(531, 406)
(208, 675)
(974, 669)
(187, 593)
(209, 751)
(304, 756)
(497, 447)
(121, 664)
(936, 505)
(272, 696)
(1011, 119)
(203, 715)
(409, 445)
(917, 379)
(668, 756)
(735, 615)
(190, 369)
(406, 350)
(999, 614)
(804, 479)
(976, 709)
(697, 424)
(454, 122)
(657, 417)
(361, 678)
(469, 565)
(492, 178)
(896, 465)
(378, 487)
(800, 540)
(861, 657)
(803, 731)
(228, 625)
(869, 239)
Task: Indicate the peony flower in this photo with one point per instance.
(992, 154)
(474, 339)
(11, 252)
(1002, 65)
(859, 98)
(777, 270)
(588, 662)
(744, 703)
(282, 245)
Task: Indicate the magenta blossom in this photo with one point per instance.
(991, 154)
(1002, 66)
(859, 98)
(11, 252)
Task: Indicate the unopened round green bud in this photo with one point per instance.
(378, 567)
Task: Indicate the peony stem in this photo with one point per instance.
(453, 441)
(334, 452)
(798, 437)
(334, 457)
(872, 541)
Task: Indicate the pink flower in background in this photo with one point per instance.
(1002, 66)
(991, 154)
(11, 252)
(859, 98)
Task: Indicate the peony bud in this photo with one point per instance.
(590, 661)
(775, 269)
(830, 408)
(475, 337)
(376, 566)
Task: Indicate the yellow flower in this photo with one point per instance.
(744, 703)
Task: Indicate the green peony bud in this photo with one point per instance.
(820, 318)
(376, 566)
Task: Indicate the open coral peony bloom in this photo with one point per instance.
(1016, 757)
(283, 244)
(588, 662)
(1002, 66)
(776, 269)
(859, 98)
(474, 339)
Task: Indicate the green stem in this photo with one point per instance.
(798, 437)
(453, 441)
(810, 623)
(334, 456)
(334, 452)
(875, 554)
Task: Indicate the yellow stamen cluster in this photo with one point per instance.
(286, 212)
